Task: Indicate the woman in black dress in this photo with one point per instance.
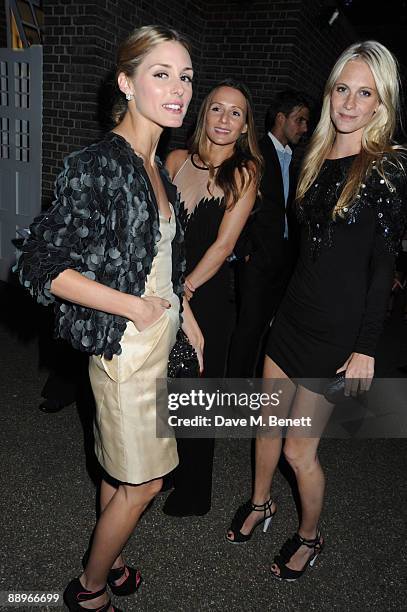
(109, 255)
(218, 179)
(351, 204)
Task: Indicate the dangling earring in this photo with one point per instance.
(129, 97)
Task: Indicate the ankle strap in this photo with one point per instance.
(117, 572)
(262, 507)
(85, 595)
(310, 543)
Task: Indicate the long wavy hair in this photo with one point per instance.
(246, 157)
(377, 136)
(133, 50)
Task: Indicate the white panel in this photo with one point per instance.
(20, 145)
(6, 192)
(23, 188)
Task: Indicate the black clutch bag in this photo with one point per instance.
(334, 391)
(183, 361)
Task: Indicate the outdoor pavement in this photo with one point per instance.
(48, 509)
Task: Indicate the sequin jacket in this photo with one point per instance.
(387, 198)
(103, 223)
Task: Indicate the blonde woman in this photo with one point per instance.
(111, 251)
(351, 199)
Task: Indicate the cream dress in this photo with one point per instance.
(124, 387)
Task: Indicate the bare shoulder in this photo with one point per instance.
(174, 161)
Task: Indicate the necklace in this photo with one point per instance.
(202, 167)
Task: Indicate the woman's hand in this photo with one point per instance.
(196, 339)
(359, 373)
(189, 289)
(193, 332)
(149, 311)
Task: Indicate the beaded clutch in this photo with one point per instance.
(183, 361)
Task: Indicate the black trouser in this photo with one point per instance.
(193, 476)
(258, 297)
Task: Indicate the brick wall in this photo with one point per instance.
(254, 42)
(80, 44)
(271, 46)
(268, 45)
(317, 46)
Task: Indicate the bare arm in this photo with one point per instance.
(192, 330)
(232, 224)
(73, 286)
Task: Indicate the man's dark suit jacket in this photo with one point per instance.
(265, 233)
(262, 280)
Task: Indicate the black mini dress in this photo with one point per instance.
(336, 301)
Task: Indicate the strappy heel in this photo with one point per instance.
(128, 586)
(241, 515)
(75, 593)
(289, 549)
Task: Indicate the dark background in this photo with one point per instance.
(269, 45)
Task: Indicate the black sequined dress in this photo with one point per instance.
(336, 300)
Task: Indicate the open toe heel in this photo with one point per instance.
(289, 549)
(241, 515)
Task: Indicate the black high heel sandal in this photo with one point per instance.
(241, 515)
(129, 586)
(289, 549)
(75, 593)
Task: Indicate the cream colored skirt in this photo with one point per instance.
(125, 394)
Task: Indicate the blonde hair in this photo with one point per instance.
(246, 157)
(133, 50)
(378, 133)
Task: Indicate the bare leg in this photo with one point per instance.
(106, 493)
(114, 527)
(301, 453)
(268, 450)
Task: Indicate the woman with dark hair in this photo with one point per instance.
(351, 200)
(218, 179)
(109, 254)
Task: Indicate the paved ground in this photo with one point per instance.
(47, 510)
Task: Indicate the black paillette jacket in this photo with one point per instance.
(103, 223)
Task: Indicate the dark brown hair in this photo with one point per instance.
(246, 157)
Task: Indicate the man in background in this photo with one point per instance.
(269, 245)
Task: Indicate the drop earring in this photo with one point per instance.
(129, 96)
